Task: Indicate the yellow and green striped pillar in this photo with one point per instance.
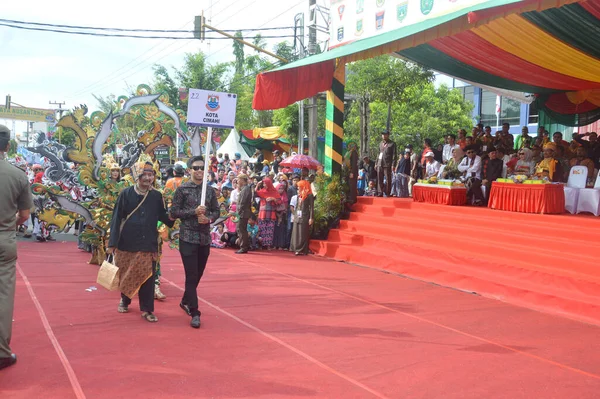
(334, 123)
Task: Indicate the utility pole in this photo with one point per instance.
(312, 108)
(60, 114)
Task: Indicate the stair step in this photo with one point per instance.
(530, 288)
(453, 247)
(527, 238)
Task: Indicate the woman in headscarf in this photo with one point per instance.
(351, 164)
(451, 170)
(549, 167)
(267, 215)
(303, 219)
(525, 164)
(280, 232)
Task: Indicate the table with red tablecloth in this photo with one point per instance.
(439, 194)
(528, 198)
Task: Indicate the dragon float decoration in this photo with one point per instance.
(78, 182)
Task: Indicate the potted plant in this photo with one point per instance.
(329, 204)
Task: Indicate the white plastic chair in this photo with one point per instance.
(577, 181)
(589, 199)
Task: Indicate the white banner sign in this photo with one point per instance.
(211, 108)
(358, 19)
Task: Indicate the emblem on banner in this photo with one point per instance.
(341, 10)
(360, 6)
(401, 11)
(340, 34)
(380, 3)
(212, 103)
(379, 20)
(359, 27)
(426, 6)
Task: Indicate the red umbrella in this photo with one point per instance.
(301, 161)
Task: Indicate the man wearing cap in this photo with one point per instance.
(15, 203)
(432, 167)
(386, 159)
(369, 166)
(134, 239)
(245, 211)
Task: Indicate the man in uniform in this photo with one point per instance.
(386, 159)
(15, 203)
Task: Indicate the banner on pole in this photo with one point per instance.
(211, 108)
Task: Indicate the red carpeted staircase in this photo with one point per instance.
(546, 262)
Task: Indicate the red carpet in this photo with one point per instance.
(278, 326)
(546, 262)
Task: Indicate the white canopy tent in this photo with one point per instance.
(232, 145)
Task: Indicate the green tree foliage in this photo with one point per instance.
(383, 79)
(67, 137)
(427, 112)
(12, 147)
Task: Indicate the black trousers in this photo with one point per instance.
(145, 294)
(387, 171)
(243, 234)
(194, 257)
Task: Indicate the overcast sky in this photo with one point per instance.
(38, 67)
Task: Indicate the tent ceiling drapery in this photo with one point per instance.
(534, 46)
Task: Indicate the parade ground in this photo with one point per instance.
(279, 326)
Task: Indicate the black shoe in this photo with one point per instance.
(242, 251)
(185, 308)
(195, 323)
(50, 238)
(9, 361)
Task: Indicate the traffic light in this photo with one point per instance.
(7, 102)
(199, 27)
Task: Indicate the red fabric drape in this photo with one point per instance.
(559, 102)
(528, 198)
(433, 194)
(279, 89)
(472, 50)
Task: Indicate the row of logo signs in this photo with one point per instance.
(401, 12)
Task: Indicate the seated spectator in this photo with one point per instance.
(582, 159)
(216, 235)
(470, 166)
(432, 167)
(549, 167)
(371, 191)
(253, 233)
(492, 170)
(451, 170)
(524, 165)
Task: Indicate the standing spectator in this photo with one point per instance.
(351, 162)
(303, 219)
(447, 150)
(403, 174)
(592, 145)
(523, 140)
(245, 212)
(267, 214)
(276, 161)
(369, 167)
(280, 232)
(386, 160)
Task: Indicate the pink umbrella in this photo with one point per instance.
(301, 161)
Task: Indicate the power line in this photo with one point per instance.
(270, 20)
(11, 21)
(144, 55)
(122, 35)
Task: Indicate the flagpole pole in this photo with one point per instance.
(206, 165)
